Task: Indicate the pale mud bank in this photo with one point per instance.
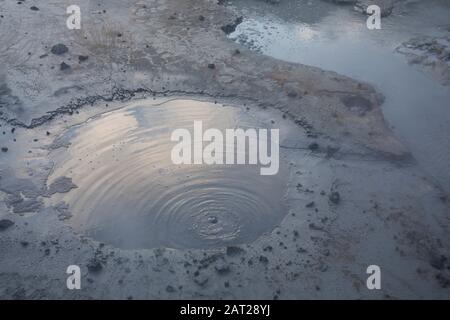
(352, 195)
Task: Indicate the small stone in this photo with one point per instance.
(59, 49)
(313, 146)
(5, 224)
(335, 197)
(313, 226)
(4, 149)
(34, 8)
(170, 289)
(263, 260)
(211, 66)
(201, 18)
(310, 205)
(64, 66)
(94, 265)
(292, 93)
(82, 58)
(212, 220)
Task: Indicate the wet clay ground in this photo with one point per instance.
(354, 196)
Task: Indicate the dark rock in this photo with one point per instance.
(310, 205)
(313, 146)
(335, 197)
(211, 66)
(170, 289)
(82, 58)
(59, 49)
(94, 265)
(64, 66)
(201, 18)
(34, 8)
(292, 94)
(313, 226)
(4, 149)
(5, 224)
(230, 28)
(263, 260)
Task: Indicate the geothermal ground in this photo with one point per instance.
(85, 177)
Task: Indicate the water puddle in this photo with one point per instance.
(335, 38)
(131, 195)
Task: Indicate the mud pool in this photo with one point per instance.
(131, 195)
(336, 38)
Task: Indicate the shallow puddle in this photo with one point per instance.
(131, 195)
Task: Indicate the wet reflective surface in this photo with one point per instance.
(335, 38)
(131, 195)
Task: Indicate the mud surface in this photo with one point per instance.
(354, 195)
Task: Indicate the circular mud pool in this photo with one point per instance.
(132, 196)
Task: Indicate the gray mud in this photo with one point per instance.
(352, 193)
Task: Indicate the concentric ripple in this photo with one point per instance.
(131, 195)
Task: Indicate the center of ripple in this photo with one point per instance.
(132, 196)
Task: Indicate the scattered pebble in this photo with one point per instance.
(5, 224)
(64, 66)
(335, 197)
(59, 49)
